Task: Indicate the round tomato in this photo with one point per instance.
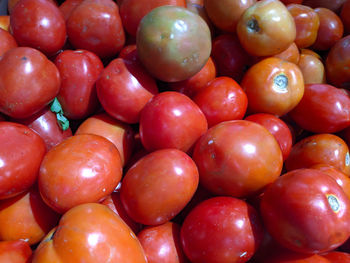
(16, 251)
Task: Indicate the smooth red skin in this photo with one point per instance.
(312, 68)
(287, 256)
(237, 158)
(90, 233)
(291, 204)
(345, 16)
(221, 230)
(17, 251)
(230, 58)
(28, 82)
(7, 41)
(157, 187)
(333, 5)
(331, 29)
(319, 149)
(337, 257)
(123, 88)
(306, 22)
(95, 25)
(278, 128)
(38, 24)
(222, 100)
(45, 124)
(79, 71)
(119, 133)
(171, 120)
(114, 203)
(26, 217)
(190, 87)
(337, 60)
(21, 153)
(323, 109)
(162, 243)
(84, 168)
(68, 6)
(132, 11)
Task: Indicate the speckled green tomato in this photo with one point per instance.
(173, 43)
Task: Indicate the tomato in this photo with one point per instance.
(177, 39)
(79, 70)
(199, 9)
(16, 251)
(171, 120)
(287, 256)
(222, 100)
(38, 24)
(336, 64)
(323, 109)
(28, 82)
(5, 22)
(26, 217)
(266, 28)
(332, 5)
(68, 6)
(7, 41)
(119, 133)
(306, 211)
(312, 68)
(237, 158)
(290, 54)
(221, 229)
(158, 186)
(278, 128)
(21, 153)
(132, 11)
(95, 25)
(123, 88)
(162, 243)
(337, 257)
(319, 149)
(84, 168)
(273, 86)
(90, 233)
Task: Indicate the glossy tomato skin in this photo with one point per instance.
(306, 211)
(158, 186)
(26, 217)
(45, 124)
(312, 68)
(17, 251)
(79, 70)
(319, 149)
(7, 41)
(84, 168)
(38, 24)
(323, 109)
(21, 153)
(90, 233)
(123, 88)
(222, 100)
(171, 120)
(95, 25)
(277, 128)
(162, 243)
(273, 86)
(337, 59)
(28, 82)
(67, 7)
(337, 257)
(232, 159)
(177, 39)
(221, 230)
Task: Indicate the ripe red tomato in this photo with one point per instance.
(7, 41)
(21, 153)
(306, 211)
(237, 158)
(337, 257)
(221, 229)
(68, 6)
(17, 251)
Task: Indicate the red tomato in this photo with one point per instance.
(21, 153)
(28, 82)
(157, 187)
(68, 6)
(312, 68)
(16, 251)
(38, 24)
(222, 100)
(323, 109)
(171, 120)
(84, 168)
(221, 229)
(7, 41)
(277, 128)
(337, 257)
(306, 211)
(95, 25)
(162, 243)
(123, 88)
(237, 158)
(287, 256)
(90, 233)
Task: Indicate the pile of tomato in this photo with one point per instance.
(175, 131)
